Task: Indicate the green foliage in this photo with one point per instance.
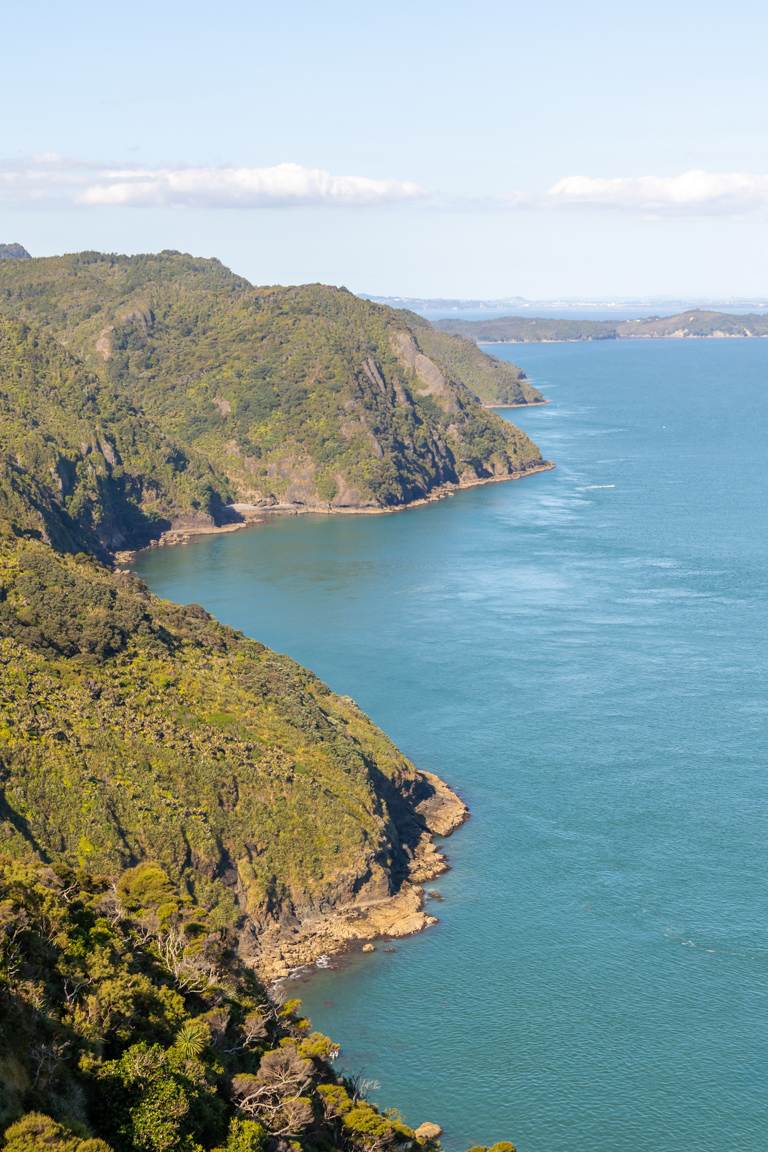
(146, 888)
(95, 1033)
(246, 1136)
(301, 396)
(319, 1047)
(112, 752)
(79, 465)
(502, 1146)
(38, 1133)
(369, 1130)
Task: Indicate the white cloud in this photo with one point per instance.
(52, 178)
(691, 193)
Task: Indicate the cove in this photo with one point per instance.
(582, 654)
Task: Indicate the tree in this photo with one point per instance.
(276, 1094)
(38, 1133)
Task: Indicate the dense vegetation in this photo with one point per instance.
(181, 808)
(177, 803)
(79, 465)
(136, 729)
(307, 397)
(523, 329)
(130, 1024)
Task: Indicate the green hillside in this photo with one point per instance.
(529, 329)
(134, 729)
(79, 465)
(181, 808)
(303, 397)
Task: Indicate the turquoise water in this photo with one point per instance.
(583, 655)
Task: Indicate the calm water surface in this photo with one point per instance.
(583, 655)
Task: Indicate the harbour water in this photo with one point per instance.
(583, 656)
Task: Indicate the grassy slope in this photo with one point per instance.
(306, 396)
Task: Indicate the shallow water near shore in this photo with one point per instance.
(583, 656)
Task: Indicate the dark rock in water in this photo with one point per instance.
(13, 252)
(433, 894)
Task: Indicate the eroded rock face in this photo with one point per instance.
(430, 379)
(386, 902)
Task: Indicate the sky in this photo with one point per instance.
(478, 150)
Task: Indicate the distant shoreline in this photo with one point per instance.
(609, 340)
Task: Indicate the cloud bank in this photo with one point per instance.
(54, 180)
(691, 193)
(46, 179)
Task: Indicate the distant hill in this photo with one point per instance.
(696, 323)
(13, 252)
(303, 397)
(430, 304)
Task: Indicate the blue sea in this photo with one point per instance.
(584, 656)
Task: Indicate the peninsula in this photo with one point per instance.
(693, 324)
(211, 393)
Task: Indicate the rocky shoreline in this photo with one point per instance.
(282, 952)
(527, 404)
(252, 514)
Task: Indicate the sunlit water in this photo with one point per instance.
(583, 655)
